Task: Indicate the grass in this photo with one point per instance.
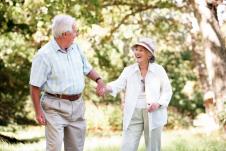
(193, 140)
(177, 140)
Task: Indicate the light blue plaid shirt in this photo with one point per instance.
(59, 72)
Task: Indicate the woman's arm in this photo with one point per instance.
(166, 89)
(118, 85)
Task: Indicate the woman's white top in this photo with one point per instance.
(141, 98)
(157, 89)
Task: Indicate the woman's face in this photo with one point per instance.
(142, 55)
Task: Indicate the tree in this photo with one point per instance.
(110, 27)
(214, 47)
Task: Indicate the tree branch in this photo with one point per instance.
(126, 17)
(119, 3)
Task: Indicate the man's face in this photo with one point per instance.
(70, 36)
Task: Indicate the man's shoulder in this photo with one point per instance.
(45, 49)
(44, 52)
(75, 45)
(77, 48)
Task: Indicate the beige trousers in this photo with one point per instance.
(65, 122)
(138, 125)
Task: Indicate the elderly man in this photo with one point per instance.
(58, 71)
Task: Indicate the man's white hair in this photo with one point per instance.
(61, 24)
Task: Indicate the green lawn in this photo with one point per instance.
(177, 140)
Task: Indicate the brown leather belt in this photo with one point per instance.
(66, 97)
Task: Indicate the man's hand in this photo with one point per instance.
(35, 95)
(40, 117)
(152, 107)
(101, 88)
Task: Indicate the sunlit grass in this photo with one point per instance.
(193, 140)
(39, 146)
(180, 140)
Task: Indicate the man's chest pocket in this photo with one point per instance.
(77, 64)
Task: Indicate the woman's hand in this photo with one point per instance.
(153, 107)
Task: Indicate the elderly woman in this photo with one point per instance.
(147, 95)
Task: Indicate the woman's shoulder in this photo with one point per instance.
(131, 67)
(157, 67)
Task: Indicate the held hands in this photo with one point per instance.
(101, 91)
(101, 88)
(153, 107)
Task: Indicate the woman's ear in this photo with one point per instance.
(149, 55)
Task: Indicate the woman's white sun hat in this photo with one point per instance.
(147, 43)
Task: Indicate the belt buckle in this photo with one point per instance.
(61, 95)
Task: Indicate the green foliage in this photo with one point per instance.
(176, 120)
(14, 70)
(179, 69)
(107, 118)
(115, 118)
(25, 27)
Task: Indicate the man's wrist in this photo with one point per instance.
(97, 79)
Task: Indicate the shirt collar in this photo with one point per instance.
(55, 46)
(136, 67)
(150, 67)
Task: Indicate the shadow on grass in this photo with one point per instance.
(13, 140)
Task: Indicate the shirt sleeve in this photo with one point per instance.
(87, 67)
(119, 84)
(39, 71)
(166, 89)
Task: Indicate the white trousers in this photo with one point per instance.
(65, 122)
(138, 125)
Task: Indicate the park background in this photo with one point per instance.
(190, 37)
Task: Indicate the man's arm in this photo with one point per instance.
(35, 95)
(93, 75)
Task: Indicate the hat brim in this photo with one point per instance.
(144, 45)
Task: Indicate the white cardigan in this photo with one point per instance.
(157, 89)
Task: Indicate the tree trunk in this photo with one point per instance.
(214, 50)
(198, 58)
